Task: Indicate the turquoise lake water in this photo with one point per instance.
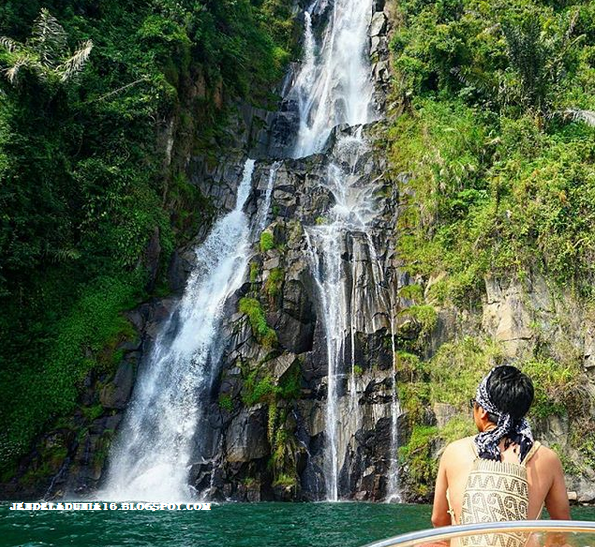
(226, 525)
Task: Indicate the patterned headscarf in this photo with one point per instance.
(515, 430)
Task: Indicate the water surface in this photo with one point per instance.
(228, 525)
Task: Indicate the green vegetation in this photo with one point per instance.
(558, 389)
(451, 376)
(264, 334)
(91, 92)
(412, 292)
(267, 242)
(249, 482)
(568, 464)
(586, 446)
(290, 383)
(226, 402)
(418, 457)
(254, 271)
(458, 427)
(260, 386)
(258, 390)
(285, 480)
(503, 178)
(274, 282)
(284, 447)
(425, 317)
(497, 143)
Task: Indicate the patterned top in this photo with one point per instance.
(496, 491)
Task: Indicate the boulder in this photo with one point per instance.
(379, 24)
(444, 413)
(506, 316)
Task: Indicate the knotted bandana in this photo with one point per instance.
(517, 431)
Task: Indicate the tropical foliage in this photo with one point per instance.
(498, 139)
(496, 144)
(90, 93)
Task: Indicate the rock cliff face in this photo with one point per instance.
(266, 418)
(529, 320)
(246, 438)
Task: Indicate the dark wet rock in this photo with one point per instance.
(151, 259)
(117, 393)
(178, 271)
(246, 437)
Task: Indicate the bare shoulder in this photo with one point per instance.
(456, 448)
(545, 456)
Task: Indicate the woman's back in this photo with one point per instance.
(489, 476)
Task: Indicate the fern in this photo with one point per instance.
(23, 61)
(528, 56)
(9, 44)
(586, 116)
(46, 52)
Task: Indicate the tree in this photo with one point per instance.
(45, 54)
(538, 60)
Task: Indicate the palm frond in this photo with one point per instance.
(48, 37)
(76, 63)
(12, 73)
(9, 44)
(23, 61)
(586, 116)
(64, 255)
(477, 79)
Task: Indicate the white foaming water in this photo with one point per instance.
(393, 487)
(152, 456)
(337, 283)
(334, 86)
(263, 213)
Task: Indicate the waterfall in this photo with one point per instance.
(333, 88)
(151, 458)
(160, 437)
(263, 212)
(393, 487)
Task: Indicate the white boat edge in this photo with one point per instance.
(449, 532)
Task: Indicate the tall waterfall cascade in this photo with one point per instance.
(174, 442)
(334, 87)
(152, 456)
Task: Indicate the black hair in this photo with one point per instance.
(511, 391)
